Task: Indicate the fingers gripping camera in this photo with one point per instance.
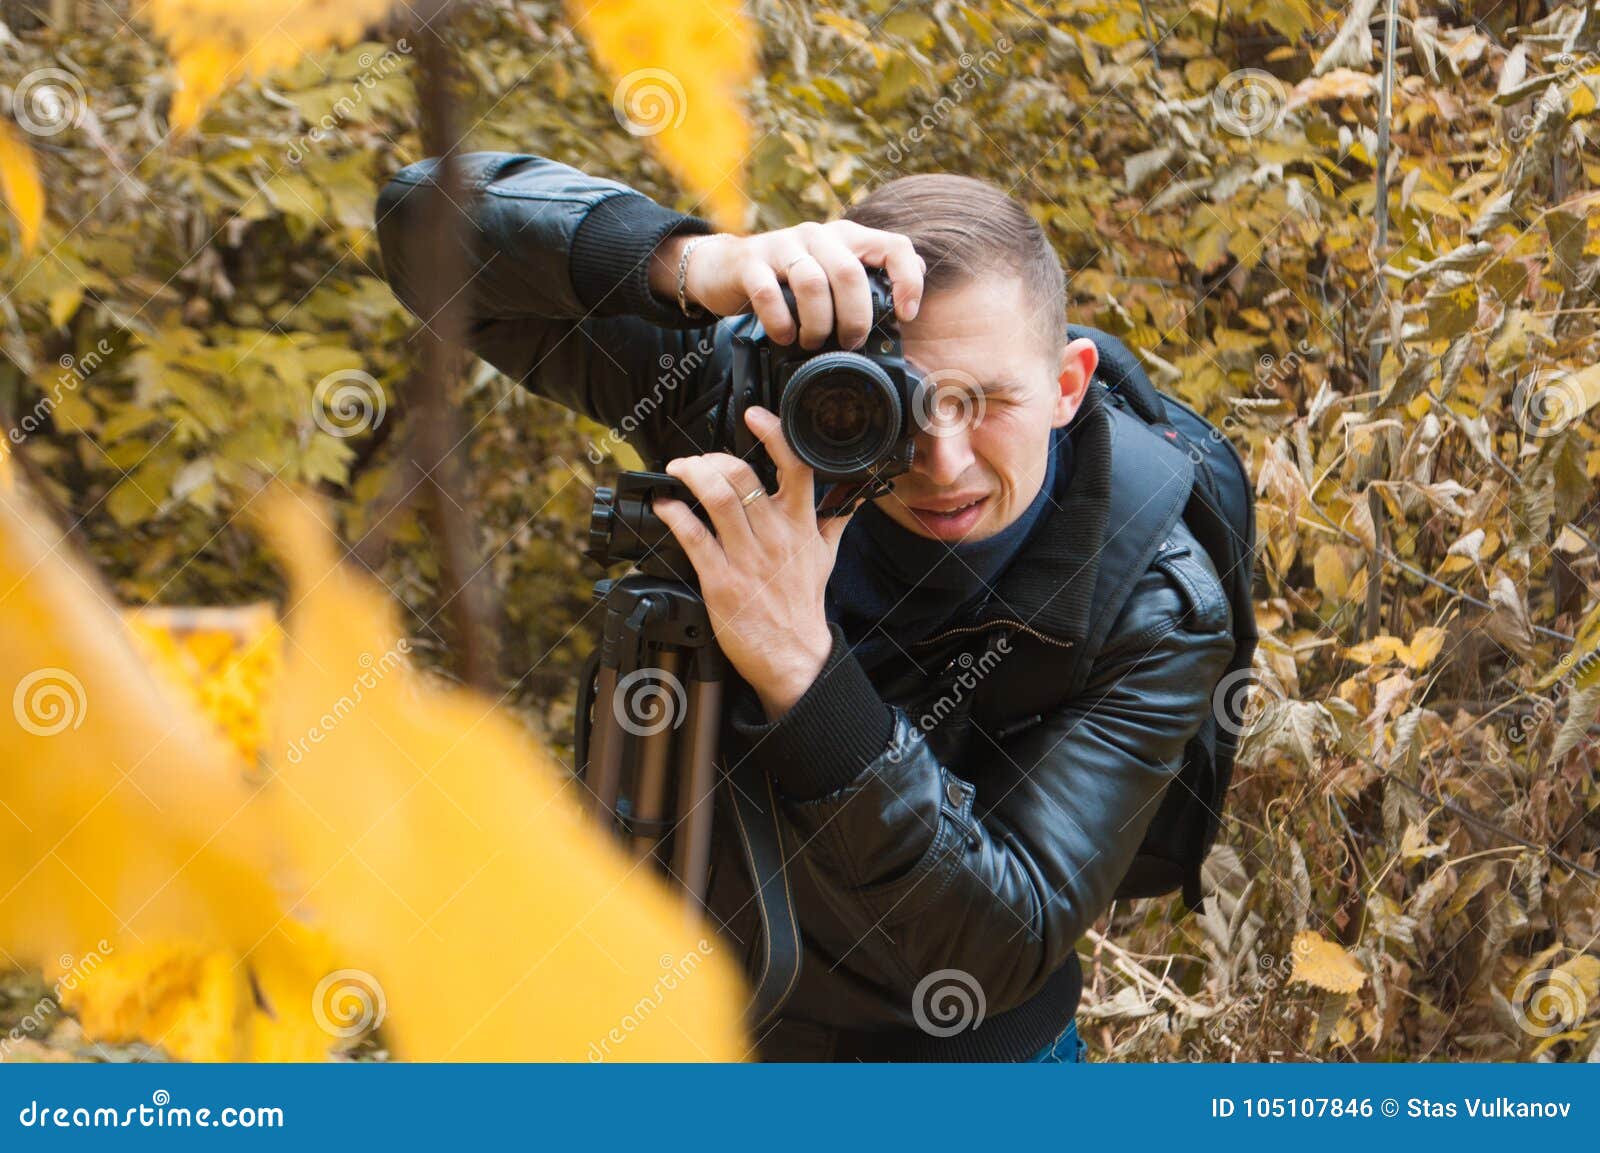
(848, 415)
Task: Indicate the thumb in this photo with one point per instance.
(832, 530)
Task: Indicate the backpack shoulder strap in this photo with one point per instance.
(1151, 482)
(754, 806)
(1119, 369)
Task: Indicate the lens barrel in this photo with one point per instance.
(841, 412)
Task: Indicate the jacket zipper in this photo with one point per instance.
(998, 622)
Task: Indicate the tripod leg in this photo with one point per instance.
(605, 750)
(697, 782)
(649, 800)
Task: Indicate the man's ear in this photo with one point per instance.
(1078, 361)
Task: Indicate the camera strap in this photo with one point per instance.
(754, 805)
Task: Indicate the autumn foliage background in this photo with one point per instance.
(1416, 797)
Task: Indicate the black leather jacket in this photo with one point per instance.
(938, 820)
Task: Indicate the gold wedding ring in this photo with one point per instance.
(752, 496)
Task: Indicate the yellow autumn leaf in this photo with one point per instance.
(441, 845)
(679, 79)
(1379, 650)
(20, 187)
(1324, 964)
(142, 874)
(1420, 652)
(132, 820)
(225, 661)
(1582, 98)
(1426, 644)
(215, 43)
(1579, 662)
(1584, 972)
(203, 1004)
(139, 866)
(1331, 576)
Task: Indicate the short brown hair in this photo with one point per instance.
(965, 228)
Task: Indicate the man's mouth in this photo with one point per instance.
(947, 520)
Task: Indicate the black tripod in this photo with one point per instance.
(650, 703)
(658, 672)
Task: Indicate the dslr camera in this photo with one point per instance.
(850, 415)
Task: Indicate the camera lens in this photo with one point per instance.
(841, 413)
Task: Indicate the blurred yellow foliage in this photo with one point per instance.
(215, 43)
(451, 859)
(680, 76)
(20, 188)
(208, 1004)
(407, 828)
(225, 660)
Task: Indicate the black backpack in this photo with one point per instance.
(1221, 514)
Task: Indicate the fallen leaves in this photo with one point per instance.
(1416, 654)
(1324, 964)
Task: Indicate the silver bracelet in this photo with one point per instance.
(683, 277)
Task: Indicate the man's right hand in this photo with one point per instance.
(822, 265)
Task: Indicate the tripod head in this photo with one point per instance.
(623, 526)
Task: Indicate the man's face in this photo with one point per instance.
(996, 394)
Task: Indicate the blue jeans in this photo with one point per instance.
(1067, 1049)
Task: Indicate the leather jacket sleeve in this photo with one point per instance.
(929, 872)
(557, 295)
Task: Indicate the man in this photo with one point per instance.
(951, 818)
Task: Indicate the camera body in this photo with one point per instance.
(850, 415)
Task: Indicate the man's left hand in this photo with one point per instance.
(765, 570)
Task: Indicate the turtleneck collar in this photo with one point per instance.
(892, 587)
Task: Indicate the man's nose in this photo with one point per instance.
(943, 458)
